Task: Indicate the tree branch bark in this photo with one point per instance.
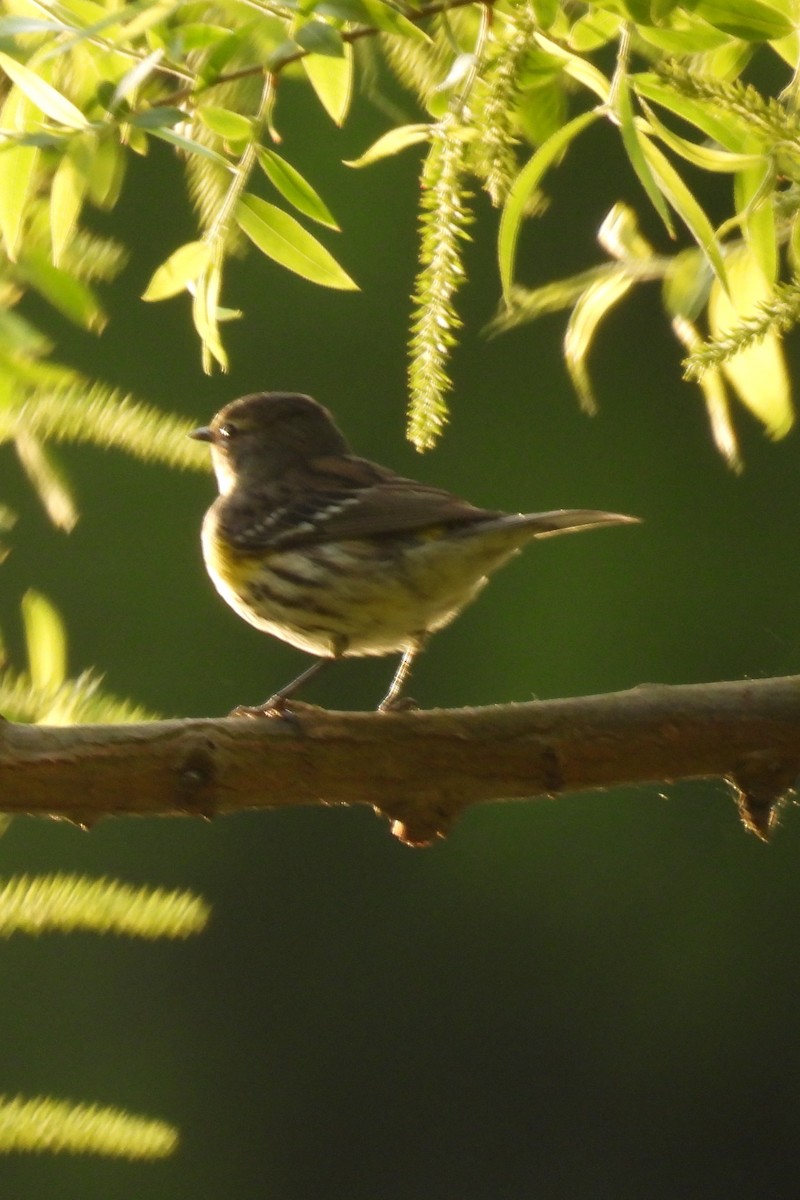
(420, 769)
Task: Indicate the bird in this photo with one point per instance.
(337, 555)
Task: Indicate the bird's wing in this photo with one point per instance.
(348, 498)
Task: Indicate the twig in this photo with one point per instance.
(419, 769)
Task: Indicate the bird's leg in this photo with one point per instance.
(392, 702)
(276, 705)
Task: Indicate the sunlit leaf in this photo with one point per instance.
(42, 94)
(753, 195)
(578, 68)
(708, 158)
(162, 116)
(106, 173)
(226, 124)
(133, 79)
(727, 129)
(594, 29)
(48, 480)
(636, 154)
(18, 166)
(67, 193)
(332, 80)
(294, 188)
(190, 146)
(757, 373)
(375, 13)
(391, 143)
(715, 395)
(686, 206)
(46, 641)
(205, 314)
(751, 20)
(282, 238)
(70, 295)
(586, 316)
(526, 184)
(182, 267)
(687, 284)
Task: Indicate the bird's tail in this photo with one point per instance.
(563, 520)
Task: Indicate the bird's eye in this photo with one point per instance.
(228, 431)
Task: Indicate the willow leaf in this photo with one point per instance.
(294, 188)
(686, 206)
(42, 94)
(757, 373)
(526, 184)
(46, 642)
(332, 79)
(391, 143)
(282, 238)
(183, 267)
(586, 316)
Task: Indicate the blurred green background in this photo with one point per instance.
(591, 997)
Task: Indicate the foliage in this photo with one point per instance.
(43, 1124)
(88, 83)
(44, 693)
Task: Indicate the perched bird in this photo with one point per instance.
(340, 556)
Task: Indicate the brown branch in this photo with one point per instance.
(349, 36)
(420, 769)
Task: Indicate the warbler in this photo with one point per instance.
(337, 555)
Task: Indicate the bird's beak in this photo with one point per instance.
(204, 434)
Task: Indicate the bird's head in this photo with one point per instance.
(260, 437)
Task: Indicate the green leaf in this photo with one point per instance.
(205, 314)
(133, 79)
(685, 205)
(594, 29)
(46, 642)
(635, 151)
(18, 166)
(66, 293)
(754, 197)
(526, 184)
(715, 395)
(708, 158)
(727, 129)
(757, 373)
(159, 117)
(48, 480)
(106, 173)
(294, 188)
(67, 193)
(226, 124)
(190, 146)
(42, 94)
(686, 284)
(374, 13)
(586, 316)
(391, 143)
(184, 266)
(384, 16)
(750, 20)
(332, 80)
(283, 239)
(578, 68)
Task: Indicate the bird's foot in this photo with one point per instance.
(400, 705)
(276, 706)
